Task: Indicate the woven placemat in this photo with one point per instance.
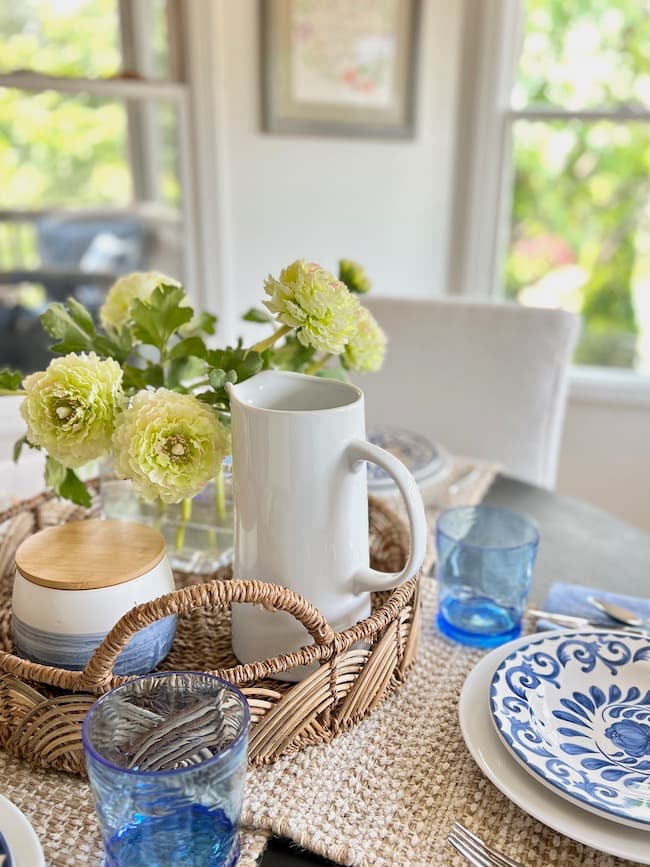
(61, 810)
(387, 793)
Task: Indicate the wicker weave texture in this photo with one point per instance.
(42, 708)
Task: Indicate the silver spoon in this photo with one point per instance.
(616, 612)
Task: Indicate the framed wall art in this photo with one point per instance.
(339, 67)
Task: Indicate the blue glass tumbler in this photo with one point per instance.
(166, 760)
(485, 559)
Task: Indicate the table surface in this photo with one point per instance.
(579, 545)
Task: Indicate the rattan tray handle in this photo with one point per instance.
(98, 673)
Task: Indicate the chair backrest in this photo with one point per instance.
(484, 379)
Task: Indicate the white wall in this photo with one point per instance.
(384, 203)
(605, 456)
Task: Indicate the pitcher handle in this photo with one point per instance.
(371, 579)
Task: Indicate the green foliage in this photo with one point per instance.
(200, 323)
(159, 316)
(19, 446)
(188, 346)
(292, 355)
(72, 327)
(233, 364)
(66, 483)
(10, 380)
(581, 188)
(256, 314)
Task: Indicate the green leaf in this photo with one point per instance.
(136, 378)
(18, 447)
(72, 325)
(66, 483)
(157, 318)
(201, 323)
(80, 316)
(217, 378)
(10, 380)
(183, 370)
(255, 314)
(54, 473)
(60, 325)
(74, 489)
(292, 355)
(243, 363)
(187, 347)
(213, 398)
(115, 344)
(336, 373)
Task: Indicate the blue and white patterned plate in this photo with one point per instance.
(424, 459)
(574, 710)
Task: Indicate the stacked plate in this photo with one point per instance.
(19, 846)
(560, 723)
(425, 460)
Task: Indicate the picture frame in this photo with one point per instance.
(339, 67)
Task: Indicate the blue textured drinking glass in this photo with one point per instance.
(485, 564)
(166, 760)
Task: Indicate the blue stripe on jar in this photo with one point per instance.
(142, 654)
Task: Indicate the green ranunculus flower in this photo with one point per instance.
(367, 347)
(70, 407)
(354, 277)
(139, 284)
(309, 298)
(170, 445)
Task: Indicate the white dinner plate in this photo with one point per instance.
(520, 787)
(19, 837)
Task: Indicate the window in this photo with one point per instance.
(92, 117)
(579, 128)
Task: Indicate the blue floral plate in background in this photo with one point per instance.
(425, 460)
(574, 710)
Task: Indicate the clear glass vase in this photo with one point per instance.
(198, 533)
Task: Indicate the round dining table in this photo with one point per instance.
(579, 544)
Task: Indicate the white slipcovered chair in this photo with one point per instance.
(483, 379)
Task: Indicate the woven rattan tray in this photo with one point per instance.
(42, 708)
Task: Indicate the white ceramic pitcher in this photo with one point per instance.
(301, 506)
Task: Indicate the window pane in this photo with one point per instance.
(585, 54)
(580, 233)
(61, 37)
(81, 38)
(90, 191)
(57, 149)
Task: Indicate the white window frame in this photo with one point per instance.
(492, 39)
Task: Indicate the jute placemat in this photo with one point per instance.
(387, 792)
(61, 810)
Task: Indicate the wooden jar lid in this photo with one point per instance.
(88, 555)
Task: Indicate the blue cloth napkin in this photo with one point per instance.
(572, 599)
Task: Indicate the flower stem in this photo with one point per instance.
(220, 494)
(186, 514)
(270, 340)
(317, 365)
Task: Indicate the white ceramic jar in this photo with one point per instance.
(73, 583)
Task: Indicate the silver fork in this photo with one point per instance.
(476, 851)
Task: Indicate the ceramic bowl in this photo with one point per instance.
(74, 582)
